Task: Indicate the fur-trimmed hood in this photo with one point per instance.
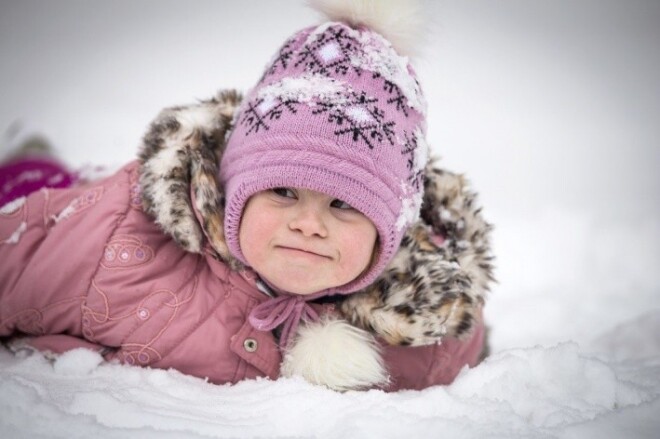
(433, 288)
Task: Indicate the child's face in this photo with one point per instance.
(302, 241)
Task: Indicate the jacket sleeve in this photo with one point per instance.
(50, 245)
(418, 367)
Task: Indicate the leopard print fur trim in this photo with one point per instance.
(431, 290)
(427, 292)
(180, 156)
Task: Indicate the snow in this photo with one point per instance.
(379, 56)
(304, 88)
(421, 152)
(409, 212)
(77, 362)
(550, 111)
(552, 391)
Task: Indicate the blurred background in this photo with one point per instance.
(551, 108)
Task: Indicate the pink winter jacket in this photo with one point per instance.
(87, 267)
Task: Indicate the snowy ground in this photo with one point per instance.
(549, 107)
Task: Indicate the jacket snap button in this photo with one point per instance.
(250, 344)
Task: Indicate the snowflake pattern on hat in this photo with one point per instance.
(281, 59)
(331, 49)
(417, 151)
(259, 113)
(398, 99)
(330, 53)
(361, 118)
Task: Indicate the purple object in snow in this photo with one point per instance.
(23, 176)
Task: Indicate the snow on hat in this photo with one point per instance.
(338, 110)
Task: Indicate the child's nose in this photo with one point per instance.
(308, 220)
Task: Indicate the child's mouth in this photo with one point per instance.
(299, 252)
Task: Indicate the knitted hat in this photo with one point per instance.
(337, 111)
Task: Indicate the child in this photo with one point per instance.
(304, 255)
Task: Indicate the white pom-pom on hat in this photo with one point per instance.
(401, 22)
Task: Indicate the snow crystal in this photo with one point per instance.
(306, 88)
(359, 115)
(329, 52)
(320, 29)
(12, 206)
(410, 206)
(421, 156)
(266, 105)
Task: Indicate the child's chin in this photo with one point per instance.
(302, 291)
(303, 288)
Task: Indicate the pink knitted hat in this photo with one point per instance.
(338, 111)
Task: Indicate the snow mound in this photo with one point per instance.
(77, 362)
(540, 391)
(548, 387)
(636, 339)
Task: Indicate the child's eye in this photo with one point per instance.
(284, 192)
(339, 204)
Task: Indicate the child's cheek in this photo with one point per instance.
(360, 247)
